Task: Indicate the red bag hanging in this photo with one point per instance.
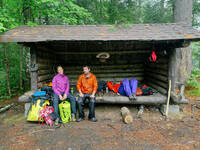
(153, 56)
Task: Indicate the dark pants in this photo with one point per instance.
(70, 98)
(81, 101)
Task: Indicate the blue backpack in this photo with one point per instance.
(40, 95)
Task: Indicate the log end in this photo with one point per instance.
(128, 119)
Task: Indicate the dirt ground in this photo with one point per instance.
(150, 132)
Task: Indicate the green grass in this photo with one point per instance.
(193, 92)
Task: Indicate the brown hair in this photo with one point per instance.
(86, 66)
(59, 66)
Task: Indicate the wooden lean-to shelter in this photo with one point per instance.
(129, 47)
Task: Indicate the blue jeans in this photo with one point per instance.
(80, 104)
(71, 98)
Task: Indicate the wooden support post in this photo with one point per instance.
(168, 98)
(33, 69)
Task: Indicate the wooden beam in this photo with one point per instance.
(110, 52)
(162, 84)
(156, 76)
(157, 71)
(157, 87)
(33, 70)
(149, 100)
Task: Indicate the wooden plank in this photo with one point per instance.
(157, 71)
(124, 75)
(45, 77)
(158, 66)
(46, 61)
(107, 71)
(157, 87)
(45, 72)
(162, 84)
(157, 77)
(104, 67)
(149, 100)
(110, 52)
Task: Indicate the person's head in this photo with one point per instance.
(86, 70)
(60, 70)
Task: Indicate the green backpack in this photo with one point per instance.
(65, 111)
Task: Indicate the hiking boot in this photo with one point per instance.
(131, 97)
(79, 119)
(73, 117)
(134, 96)
(93, 119)
(57, 121)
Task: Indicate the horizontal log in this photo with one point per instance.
(149, 100)
(45, 66)
(6, 107)
(48, 55)
(46, 61)
(105, 67)
(156, 76)
(156, 65)
(136, 70)
(124, 75)
(45, 77)
(157, 71)
(162, 84)
(45, 72)
(157, 87)
(111, 52)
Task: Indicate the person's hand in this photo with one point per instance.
(92, 96)
(81, 94)
(60, 97)
(65, 96)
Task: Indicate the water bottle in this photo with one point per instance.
(72, 90)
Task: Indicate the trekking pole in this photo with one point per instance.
(167, 108)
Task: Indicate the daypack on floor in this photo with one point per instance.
(65, 111)
(45, 114)
(35, 108)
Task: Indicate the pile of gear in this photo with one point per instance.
(41, 108)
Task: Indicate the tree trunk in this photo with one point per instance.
(1, 3)
(21, 67)
(34, 68)
(139, 11)
(183, 14)
(7, 70)
(27, 68)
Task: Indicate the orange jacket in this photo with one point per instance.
(87, 85)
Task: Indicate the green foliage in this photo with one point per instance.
(31, 24)
(193, 84)
(196, 55)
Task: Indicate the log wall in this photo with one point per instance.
(156, 73)
(47, 63)
(120, 65)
